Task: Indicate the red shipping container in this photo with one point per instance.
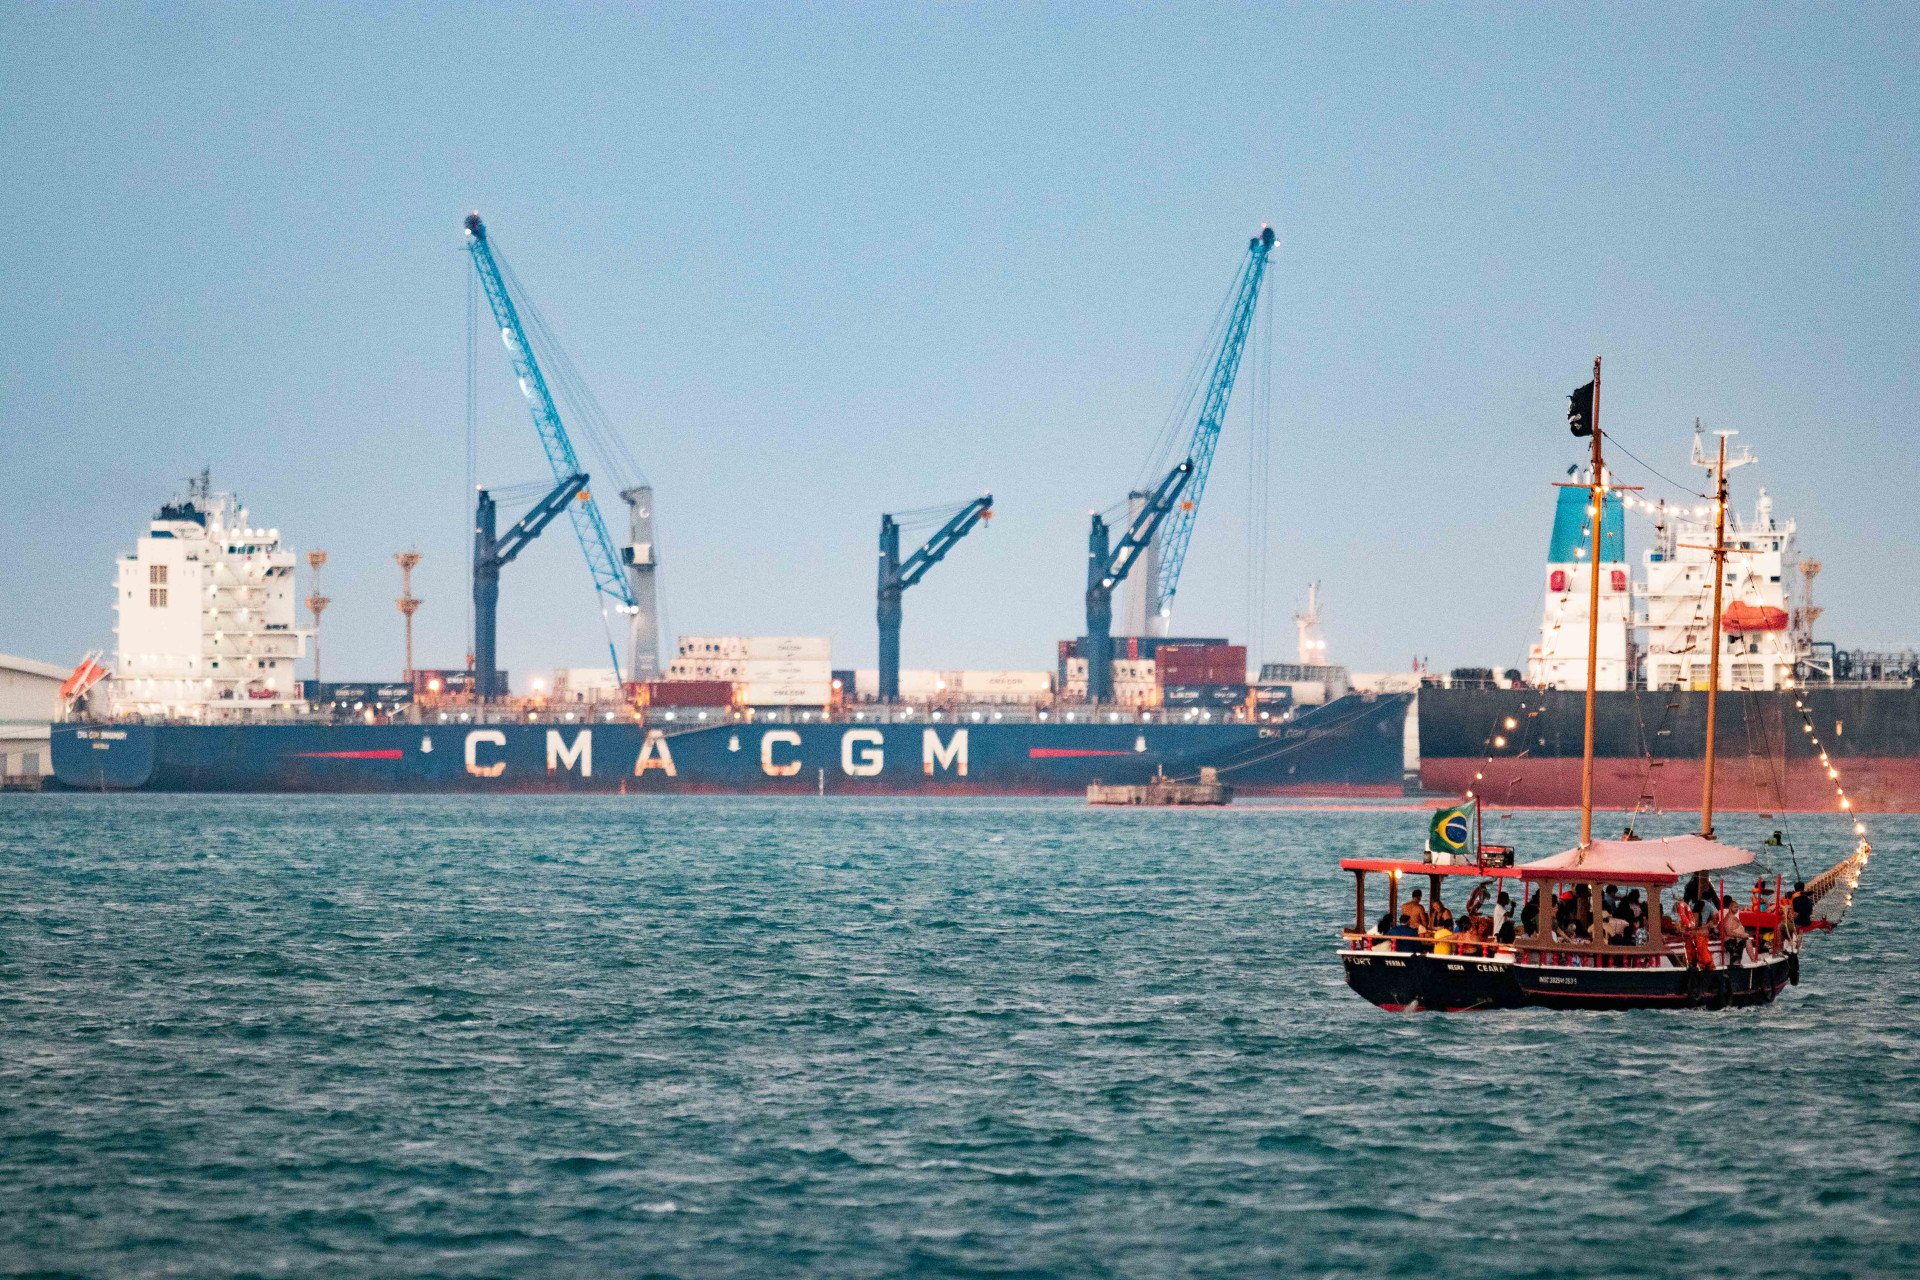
(690, 693)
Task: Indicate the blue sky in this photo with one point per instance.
(819, 263)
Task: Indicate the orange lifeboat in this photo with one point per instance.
(1753, 617)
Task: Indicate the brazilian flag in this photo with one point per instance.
(1451, 830)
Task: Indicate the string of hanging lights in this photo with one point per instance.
(1845, 802)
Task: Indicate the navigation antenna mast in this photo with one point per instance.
(1596, 519)
(1713, 629)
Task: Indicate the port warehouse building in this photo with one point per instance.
(29, 700)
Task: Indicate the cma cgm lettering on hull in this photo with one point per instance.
(1352, 746)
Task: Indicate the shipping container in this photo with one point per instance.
(1138, 648)
(690, 693)
(788, 649)
(1203, 695)
(915, 685)
(1020, 686)
(356, 695)
(450, 682)
(783, 670)
(712, 648)
(796, 693)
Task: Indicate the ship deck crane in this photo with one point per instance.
(625, 577)
(492, 554)
(1108, 566)
(1178, 531)
(896, 576)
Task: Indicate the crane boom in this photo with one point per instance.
(1108, 566)
(1206, 431)
(588, 526)
(897, 575)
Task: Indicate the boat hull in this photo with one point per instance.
(1739, 986)
(1651, 744)
(1398, 982)
(1352, 747)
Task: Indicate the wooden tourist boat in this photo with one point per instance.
(1588, 941)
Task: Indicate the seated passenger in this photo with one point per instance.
(1414, 913)
(1442, 940)
(1403, 931)
(1733, 937)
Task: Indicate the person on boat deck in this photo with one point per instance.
(1636, 914)
(1384, 925)
(1414, 913)
(1616, 928)
(1404, 929)
(1709, 908)
(1442, 917)
(1530, 914)
(1762, 894)
(1502, 908)
(1564, 914)
(1733, 937)
(1802, 905)
(1693, 935)
(1442, 937)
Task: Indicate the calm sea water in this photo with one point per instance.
(344, 1036)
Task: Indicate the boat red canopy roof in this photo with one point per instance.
(1415, 867)
(1662, 861)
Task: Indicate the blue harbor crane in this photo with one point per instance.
(629, 592)
(1170, 554)
(491, 554)
(896, 577)
(1107, 568)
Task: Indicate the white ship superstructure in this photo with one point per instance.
(1558, 660)
(1665, 643)
(1762, 635)
(206, 626)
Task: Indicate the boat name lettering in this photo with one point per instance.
(861, 753)
(778, 738)
(1553, 981)
(951, 756)
(492, 737)
(102, 735)
(655, 754)
(580, 754)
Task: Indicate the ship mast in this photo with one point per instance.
(1596, 518)
(1713, 631)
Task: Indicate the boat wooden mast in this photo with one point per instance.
(1597, 512)
(1714, 642)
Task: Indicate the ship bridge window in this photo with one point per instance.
(157, 597)
(157, 574)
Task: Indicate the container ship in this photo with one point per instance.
(1515, 739)
(204, 696)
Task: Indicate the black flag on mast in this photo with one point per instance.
(1580, 411)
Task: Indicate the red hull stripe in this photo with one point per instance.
(392, 753)
(1068, 753)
